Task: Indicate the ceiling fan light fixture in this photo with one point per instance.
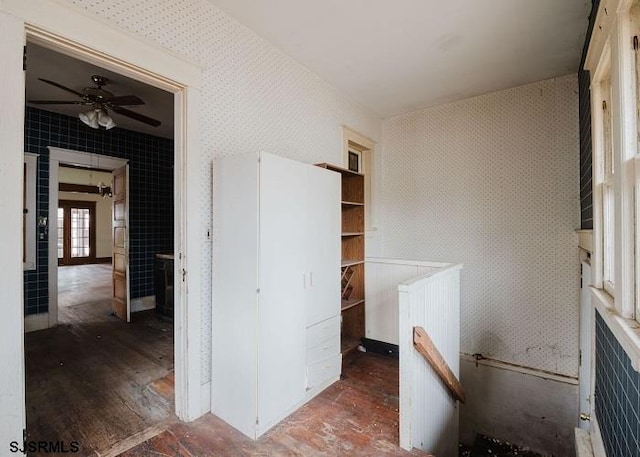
(105, 120)
(89, 118)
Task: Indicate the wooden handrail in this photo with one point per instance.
(425, 346)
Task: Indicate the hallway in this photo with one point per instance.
(95, 379)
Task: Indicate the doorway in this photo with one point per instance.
(81, 35)
(87, 301)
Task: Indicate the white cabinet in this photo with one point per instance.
(276, 257)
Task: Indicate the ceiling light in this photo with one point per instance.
(90, 118)
(105, 120)
(97, 117)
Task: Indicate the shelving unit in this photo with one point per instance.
(352, 265)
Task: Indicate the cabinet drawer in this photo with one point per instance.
(321, 371)
(324, 350)
(322, 331)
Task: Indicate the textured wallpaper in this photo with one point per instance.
(493, 182)
(254, 98)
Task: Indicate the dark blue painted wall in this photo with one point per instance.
(150, 193)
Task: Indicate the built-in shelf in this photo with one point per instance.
(351, 262)
(346, 304)
(352, 265)
(352, 233)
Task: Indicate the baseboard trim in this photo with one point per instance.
(143, 303)
(380, 347)
(35, 322)
(103, 260)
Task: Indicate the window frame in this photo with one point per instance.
(606, 154)
(364, 147)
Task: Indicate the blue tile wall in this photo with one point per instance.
(150, 193)
(584, 96)
(617, 395)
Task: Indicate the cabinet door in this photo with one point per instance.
(281, 316)
(323, 216)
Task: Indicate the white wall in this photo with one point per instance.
(520, 408)
(253, 98)
(492, 182)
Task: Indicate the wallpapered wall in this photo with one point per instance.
(254, 98)
(492, 182)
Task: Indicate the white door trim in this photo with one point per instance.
(69, 30)
(12, 386)
(67, 157)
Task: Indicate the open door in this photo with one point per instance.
(120, 302)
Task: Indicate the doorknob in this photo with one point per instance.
(585, 417)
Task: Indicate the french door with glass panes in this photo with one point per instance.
(76, 232)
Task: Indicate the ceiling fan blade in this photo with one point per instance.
(55, 102)
(125, 100)
(136, 116)
(60, 86)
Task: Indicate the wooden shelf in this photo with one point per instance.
(352, 265)
(351, 262)
(348, 344)
(347, 304)
(344, 171)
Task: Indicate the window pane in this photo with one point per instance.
(609, 233)
(80, 232)
(60, 233)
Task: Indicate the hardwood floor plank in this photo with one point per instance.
(357, 416)
(95, 379)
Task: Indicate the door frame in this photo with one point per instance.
(68, 29)
(59, 156)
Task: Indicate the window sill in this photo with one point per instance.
(626, 331)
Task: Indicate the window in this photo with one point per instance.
(76, 232)
(29, 211)
(358, 152)
(608, 191)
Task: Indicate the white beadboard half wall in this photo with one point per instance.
(492, 182)
(255, 98)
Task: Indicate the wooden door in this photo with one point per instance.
(120, 301)
(282, 280)
(323, 219)
(76, 237)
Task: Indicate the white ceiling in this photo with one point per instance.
(76, 74)
(404, 55)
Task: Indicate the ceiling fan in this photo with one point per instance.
(100, 101)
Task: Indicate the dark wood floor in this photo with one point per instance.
(109, 386)
(95, 379)
(357, 416)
